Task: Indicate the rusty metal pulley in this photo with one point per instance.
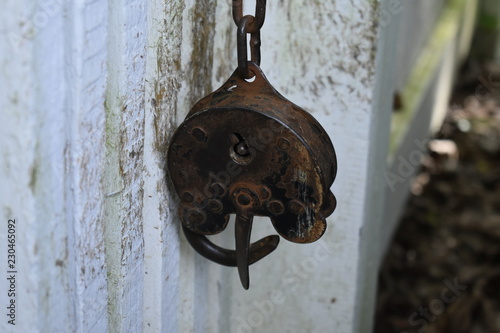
(246, 150)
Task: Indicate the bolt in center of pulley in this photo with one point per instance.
(240, 152)
(241, 148)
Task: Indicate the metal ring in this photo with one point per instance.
(209, 250)
(260, 15)
(255, 47)
(242, 47)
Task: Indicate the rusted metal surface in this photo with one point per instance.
(246, 150)
(248, 24)
(242, 48)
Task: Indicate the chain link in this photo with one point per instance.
(242, 48)
(248, 24)
(257, 21)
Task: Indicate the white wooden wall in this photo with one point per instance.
(90, 93)
(52, 88)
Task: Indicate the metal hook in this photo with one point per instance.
(254, 252)
(246, 203)
(242, 231)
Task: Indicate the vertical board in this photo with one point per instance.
(425, 100)
(124, 164)
(347, 84)
(52, 94)
(17, 149)
(85, 60)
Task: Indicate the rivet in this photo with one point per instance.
(199, 134)
(195, 217)
(217, 190)
(244, 199)
(215, 205)
(283, 143)
(187, 197)
(296, 207)
(242, 149)
(264, 193)
(276, 207)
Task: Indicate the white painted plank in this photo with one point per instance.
(56, 278)
(425, 101)
(418, 20)
(374, 223)
(124, 168)
(53, 106)
(162, 280)
(85, 61)
(306, 55)
(17, 149)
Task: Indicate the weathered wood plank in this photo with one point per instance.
(17, 162)
(333, 59)
(85, 57)
(125, 108)
(55, 105)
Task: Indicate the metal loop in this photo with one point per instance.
(255, 47)
(260, 15)
(242, 47)
(209, 250)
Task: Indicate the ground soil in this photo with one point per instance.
(442, 270)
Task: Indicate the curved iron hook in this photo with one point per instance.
(211, 251)
(242, 231)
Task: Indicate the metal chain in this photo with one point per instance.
(257, 21)
(248, 24)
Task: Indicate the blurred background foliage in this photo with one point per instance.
(450, 231)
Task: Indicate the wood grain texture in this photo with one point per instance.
(55, 106)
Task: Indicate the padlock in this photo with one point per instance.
(246, 150)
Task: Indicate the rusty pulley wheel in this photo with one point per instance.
(246, 150)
